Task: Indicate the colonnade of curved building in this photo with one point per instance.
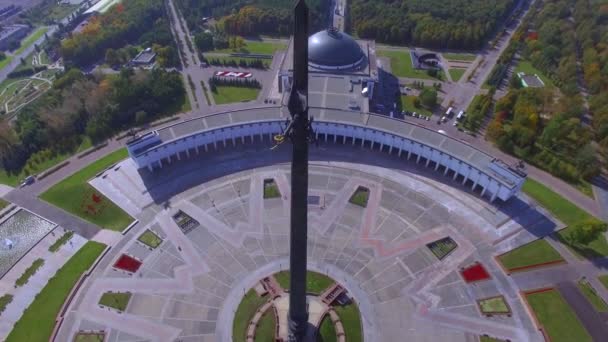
(492, 177)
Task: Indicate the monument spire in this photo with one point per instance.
(298, 108)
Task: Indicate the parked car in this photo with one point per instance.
(28, 180)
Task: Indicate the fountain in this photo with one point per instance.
(19, 233)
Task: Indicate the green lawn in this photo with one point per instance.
(467, 57)
(5, 62)
(38, 320)
(327, 331)
(360, 197)
(255, 47)
(266, 327)
(116, 300)
(315, 282)
(29, 272)
(351, 320)
(556, 317)
(401, 65)
(534, 253)
(226, 94)
(3, 204)
(590, 293)
(456, 73)
(494, 305)
(4, 301)
(569, 214)
(31, 39)
(150, 239)
(61, 241)
(244, 313)
(89, 337)
(271, 190)
(526, 67)
(407, 103)
(604, 280)
(489, 339)
(74, 194)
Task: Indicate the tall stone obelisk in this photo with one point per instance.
(298, 108)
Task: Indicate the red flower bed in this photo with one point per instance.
(127, 263)
(475, 273)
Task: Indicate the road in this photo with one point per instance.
(17, 58)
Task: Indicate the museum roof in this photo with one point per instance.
(333, 48)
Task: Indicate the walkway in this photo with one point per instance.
(593, 323)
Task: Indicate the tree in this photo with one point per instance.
(428, 97)
(585, 232)
(204, 41)
(112, 57)
(140, 117)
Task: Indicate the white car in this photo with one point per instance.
(442, 131)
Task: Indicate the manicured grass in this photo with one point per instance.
(407, 103)
(85, 144)
(604, 280)
(556, 317)
(351, 320)
(74, 192)
(38, 319)
(315, 282)
(271, 190)
(150, 239)
(4, 301)
(226, 94)
(563, 209)
(244, 313)
(31, 39)
(459, 57)
(360, 197)
(3, 204)
(590, 293)
(61, 241)
(534, 253)
(256, 47)
(89, 337)
(489, 339)
(266, 326)
(494, 305)
(401, 65)
(456, 73)
(29, 272)
(569, 214)
(116, 300)
(526, 67)
(327, 331)
(441, 248)
(5, 62)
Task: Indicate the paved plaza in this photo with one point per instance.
(189, 287)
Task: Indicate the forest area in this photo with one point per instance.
(135, 22)
(551, 128)
(252, 17)
(457, 24)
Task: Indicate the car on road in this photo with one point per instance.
(442, 131)
(27, 181)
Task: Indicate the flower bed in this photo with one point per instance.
(475, 273)
(127, 263)
(494, 306)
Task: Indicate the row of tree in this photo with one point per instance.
(242, 63)
(214, 82)
(94, 106)
(460, 24)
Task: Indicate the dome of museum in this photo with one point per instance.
(332, 49)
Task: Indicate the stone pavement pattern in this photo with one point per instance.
(188, 288)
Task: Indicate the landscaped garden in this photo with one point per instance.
(316, 283)
(271, 190)
(463, 57)
(535, 254)
(556, 317)
(527, 68)
(38, 320)
(456, 73)
(150, 239)
(61, 241)
(227, 94)
(351, 321)
(494, 306)
(590, 293)
(75, 195)
(29, 272)
(327, 331)
(485, 338)
(264, 332)
(255, 47)
(244, 313)
(116, 300)
(401, 65)
(569, 214)
(408, 104)
(3, 204)
(442, 247)
(475, 273)
(360, 197)
(89, 337)
(604, 280)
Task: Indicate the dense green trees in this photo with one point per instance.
(95, 106)
(428, 97)
(134, 21)
(459, 24)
